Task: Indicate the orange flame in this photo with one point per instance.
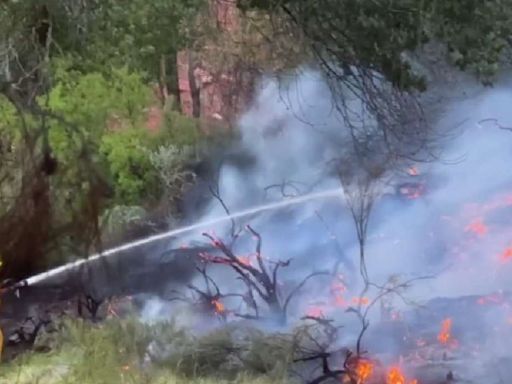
(506, 256)
(218, 306)
(412, 191)
(360, 301)
(364, 370)
(478, 227)
(444, 335)
(395, 376)
(315, 312)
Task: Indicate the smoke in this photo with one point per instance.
(457, 231)
(292, 133)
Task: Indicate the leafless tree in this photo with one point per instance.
(259, 275)
(208, 298)
(316, 344)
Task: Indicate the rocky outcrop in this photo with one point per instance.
(216, 96)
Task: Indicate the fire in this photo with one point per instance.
(395, 376)
(444, 336)
(315, 311)
(360, 301)
(218, 307)
(364, 370)
(506, 256)
(477, 227)
(412, 191)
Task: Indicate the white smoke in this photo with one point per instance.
(457, 231)
(293, 131)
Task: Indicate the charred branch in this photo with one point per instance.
(321, 352)
(261, 277)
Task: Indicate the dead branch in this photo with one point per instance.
(322, 351)
(300, 286)
(208, 298)
(261, 278)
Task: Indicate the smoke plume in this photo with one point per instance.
(448, 219)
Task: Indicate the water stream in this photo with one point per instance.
(331, 193)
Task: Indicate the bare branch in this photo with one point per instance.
(299, 287)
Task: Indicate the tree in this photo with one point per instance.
(260, 277)
(61, 93)
(376, 34)
(100, 35)
(371, 51)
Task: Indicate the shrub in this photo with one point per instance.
(134, 177)
(115, 352)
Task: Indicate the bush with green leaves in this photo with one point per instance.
(170, 161)
(180, 130)
(133, 175)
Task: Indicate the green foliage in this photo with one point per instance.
(120, 217)
(477, 33)
(108, 114)
(171, 164)
(134, 176)
(180, 130)
(138, 33)
(9, 155)
(101, 34)
(375, 34)
(90, 100)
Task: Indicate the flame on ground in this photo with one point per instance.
(315, 311)
(477, 227)
(506, 256)
(412, 191)
(360, 301)
(218, 307)
(364, 370)
(444, 336)
(395, 376)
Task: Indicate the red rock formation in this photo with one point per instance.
(184, 83)
(226, 14)
(212, 96)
